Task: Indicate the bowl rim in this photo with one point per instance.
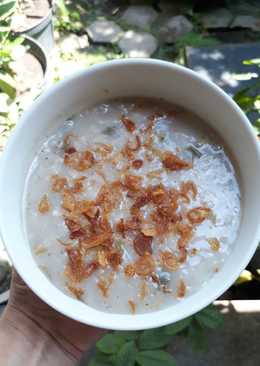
(123, 321)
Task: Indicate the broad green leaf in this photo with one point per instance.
(128, 336)
(178, 326)
(245, 101)
(126, 355)
(155, 358)
(154, 338)
(101, 359)
(197, 337)
(110, 343)
(244, 98)
(6, 8)
(209, 317)
(7, 85)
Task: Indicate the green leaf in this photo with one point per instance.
(7, 85)
(95, 362)
(126, 355)
(4, 104)
(4, 29)
(197, 337)
(64, 12)
(244, 277)
(154, 338)
(6, 8)
(253, 61)
(17, 41)
(245, 102)
(98, 360)
(178, 326)
(209, 317)
(101, 359)
(256, 125)
(243, 97)
(128, 336)
(155, 358)
(195, 40)
(110, 343)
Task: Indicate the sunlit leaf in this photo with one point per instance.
(7, 85)
(244, 277)
(253, 61)
(62, 8)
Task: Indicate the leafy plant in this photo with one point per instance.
(66, 20)
(248, 98)
(148, 347)
(195, 39)
(10, 46)
(7, 7)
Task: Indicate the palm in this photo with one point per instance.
(61, 328)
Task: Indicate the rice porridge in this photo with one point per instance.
(132, 205)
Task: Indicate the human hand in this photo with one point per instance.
(28, 315)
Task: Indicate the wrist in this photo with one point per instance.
(24, 341)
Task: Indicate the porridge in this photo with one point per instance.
(132, 205)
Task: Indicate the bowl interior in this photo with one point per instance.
(116, 79)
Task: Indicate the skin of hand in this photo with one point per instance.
(37, 334)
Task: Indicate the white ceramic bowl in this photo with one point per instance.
(140, 77)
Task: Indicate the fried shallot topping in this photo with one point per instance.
(79, 161)
(78, 185)
(143, 244)
(128, 123)
(98, 239)
(137, 164)
(76, 291)
(198, 214)
(44, 205)
(58, 183)
(187, 188)
(132, 306)
(181, 290)
(172, 162)
(129, 270)
(169, 261)
(104, 284)
(214, 244)
(77, 269)
(145, 265)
